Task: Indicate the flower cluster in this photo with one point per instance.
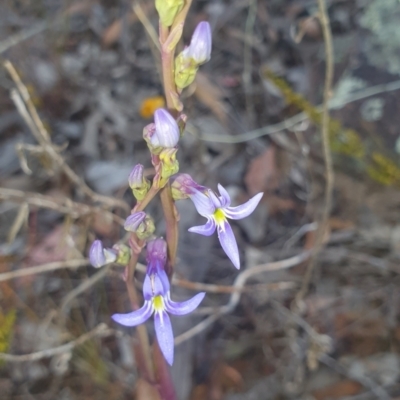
(162, 137)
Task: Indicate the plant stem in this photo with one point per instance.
(171, 220)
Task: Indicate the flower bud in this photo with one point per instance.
(123, 253)
(96, 255)
(141, 224)
(185, 70)
(183, 186)
(164, 133)
(146, 228)
(100, 256)
(138, 183)
(168, 10)
(200, 45)
(133, 222)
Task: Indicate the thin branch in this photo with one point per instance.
(239, 283)
(101, 331)
(82, 287)
(31, 117)
(63, 206)
(291, 122)
(247, 61)
(329, 173)
(69, 264)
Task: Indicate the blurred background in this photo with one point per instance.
(91, 70)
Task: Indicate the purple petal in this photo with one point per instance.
(164, 280)
(245, 209)
(136, 317)
(206, 230)
(203, 204)
(147, 289)
(96, 254)
(165, 336)
(225, 198)
(215, 200)
(228, 243)
(184, 307)
(155, 285)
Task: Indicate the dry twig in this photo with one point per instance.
(101, 331)
(28, 112)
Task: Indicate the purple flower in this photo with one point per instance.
(217, 209)
(157, 301)
(100, 256)
(200, 44)
(166, 133)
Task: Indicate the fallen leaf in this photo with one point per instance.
(262, 173)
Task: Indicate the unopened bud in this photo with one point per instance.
(200, 45)
(185, 71)
(123, 253)
(133, 222)
(141, 224)
(164, 133)
(138, 183)
(100, 256)
(146, 228)
(168, 10)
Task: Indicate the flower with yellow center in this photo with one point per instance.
(217, 210)
(157, 301)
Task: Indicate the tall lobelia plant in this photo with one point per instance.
(162, 138)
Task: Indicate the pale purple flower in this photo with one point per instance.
(166, 130)
(100, 256)
(200, 44)
(157, 301)
(217, 210)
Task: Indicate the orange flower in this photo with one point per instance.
(150, 105)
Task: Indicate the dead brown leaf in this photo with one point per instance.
(262, 174)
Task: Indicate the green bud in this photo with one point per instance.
(138, 183)
(146, 228)
(185, 71)
(123, 254)
(168, 10)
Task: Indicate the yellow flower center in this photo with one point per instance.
(219, 216)
(158, 303)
